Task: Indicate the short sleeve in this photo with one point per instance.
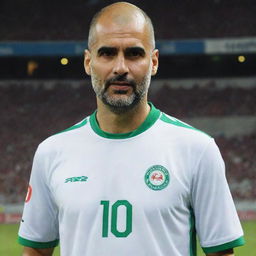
(217, 223)
(39, 224)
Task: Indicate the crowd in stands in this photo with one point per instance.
(29, 114)
(239, 156)
(51, 20)
(209, 101)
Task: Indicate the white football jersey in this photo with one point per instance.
(143, 193)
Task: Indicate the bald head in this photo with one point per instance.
(120, 16)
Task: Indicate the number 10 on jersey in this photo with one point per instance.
(113, 213)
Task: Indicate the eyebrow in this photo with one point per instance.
(138, 49)
(106, 49)
(128, 50)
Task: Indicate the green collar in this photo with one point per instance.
(149, 121)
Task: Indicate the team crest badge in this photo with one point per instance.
(157, 177)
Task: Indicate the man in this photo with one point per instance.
(129, 179)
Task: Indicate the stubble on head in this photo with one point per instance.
(120, 13)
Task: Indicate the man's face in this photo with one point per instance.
(121, 62)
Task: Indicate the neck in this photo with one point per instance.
(124, 122)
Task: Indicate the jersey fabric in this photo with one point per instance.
(142, 193)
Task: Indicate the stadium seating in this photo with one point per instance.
(238, 154)
(185, 19)
(209, 101)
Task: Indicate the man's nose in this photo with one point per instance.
(120, 65)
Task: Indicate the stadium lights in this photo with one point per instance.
(64, 61)
(31, 67)
(241, 58)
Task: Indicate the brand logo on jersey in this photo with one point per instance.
(157, 177)
(76, 179)
(29, 194)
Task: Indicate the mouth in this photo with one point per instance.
(120, 86)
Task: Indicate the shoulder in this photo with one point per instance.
(181, 130)
(188, 141)
(64, 138)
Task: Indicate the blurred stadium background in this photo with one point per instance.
(207, 77)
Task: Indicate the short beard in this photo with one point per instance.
(121, 105)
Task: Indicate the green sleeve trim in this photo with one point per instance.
(238, 242)
(84, 122)
(192, 234)
(38, 245)
(175, 121)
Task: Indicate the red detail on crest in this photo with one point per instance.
(157, 177)
(29, 194)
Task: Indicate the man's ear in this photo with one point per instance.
(87, 62)
(155, 61)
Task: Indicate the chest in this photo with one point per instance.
(149, 176)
